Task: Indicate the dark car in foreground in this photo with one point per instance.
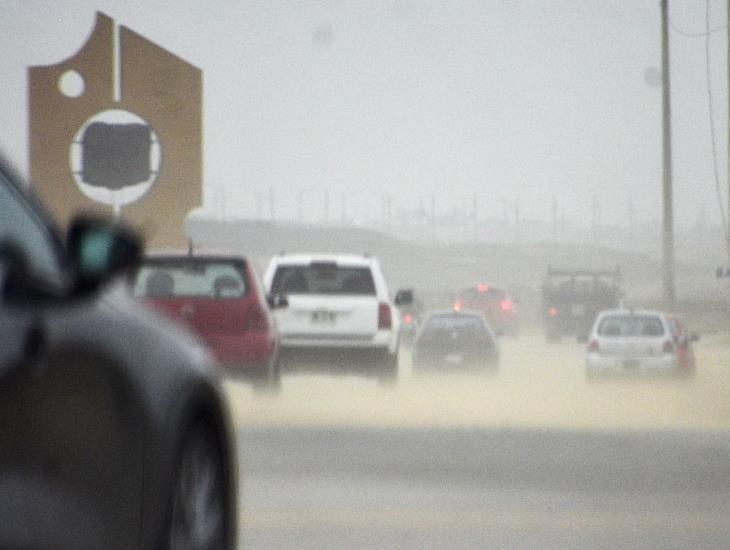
(453, 339)
(114, 432)
(220, 298)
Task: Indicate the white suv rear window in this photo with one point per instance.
(323, 278)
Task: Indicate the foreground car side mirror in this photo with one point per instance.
(99, 250)
(277, 301)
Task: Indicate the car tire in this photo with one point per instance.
(197, 515)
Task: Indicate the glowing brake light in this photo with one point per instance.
(482, 287)
(458, 305)
(552, 312)
(506, 305)
(408, 319)
(593, 346)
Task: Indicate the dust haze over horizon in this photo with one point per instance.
(511, 101)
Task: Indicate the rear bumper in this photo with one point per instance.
(242, 352)
(663, 364)
(445, 362)
(381, 339)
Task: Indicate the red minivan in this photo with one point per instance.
(222, 299)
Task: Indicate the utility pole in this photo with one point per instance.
(272, 204)
(728, 132)
(326, 211)
(475, 205)
(632, 221)
(555, 220)
(594, 222)
(259, 205)
(433, 218)
(668, 211)
(388, 217)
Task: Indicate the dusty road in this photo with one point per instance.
(533, 457)
(538, 385)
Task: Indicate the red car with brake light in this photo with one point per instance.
(499, 309)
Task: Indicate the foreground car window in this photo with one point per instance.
(20, 227)
(323, 279)
(640, 325)
(208, 280)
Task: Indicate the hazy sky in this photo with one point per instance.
(507, 99)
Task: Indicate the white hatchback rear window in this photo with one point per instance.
(630, 325)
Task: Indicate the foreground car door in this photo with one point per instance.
(70, 435)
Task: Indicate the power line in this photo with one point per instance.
(712, 120)
(689, 34)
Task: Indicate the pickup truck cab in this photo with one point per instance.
(337, 303)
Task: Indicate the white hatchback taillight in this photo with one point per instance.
(593, 346)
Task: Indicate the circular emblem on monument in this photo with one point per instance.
(115, 158)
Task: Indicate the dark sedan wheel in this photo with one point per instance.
(197, 518)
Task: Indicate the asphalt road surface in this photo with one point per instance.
(535, 456)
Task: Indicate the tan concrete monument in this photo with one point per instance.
(117, 128)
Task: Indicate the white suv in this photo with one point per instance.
(336, 302)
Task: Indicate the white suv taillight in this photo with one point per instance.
(593, 346)
(385, 318)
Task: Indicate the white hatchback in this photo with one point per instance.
(627, 341)
(336, 302)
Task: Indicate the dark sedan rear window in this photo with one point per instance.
(323, 278)
(200, 279)
(440, 326)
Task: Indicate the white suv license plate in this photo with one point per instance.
(323, 317)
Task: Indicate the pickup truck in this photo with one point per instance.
(571, 299)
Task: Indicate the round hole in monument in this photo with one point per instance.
(71, 84)
(115, 157)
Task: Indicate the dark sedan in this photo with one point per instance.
(113, 431)
(455, 338)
